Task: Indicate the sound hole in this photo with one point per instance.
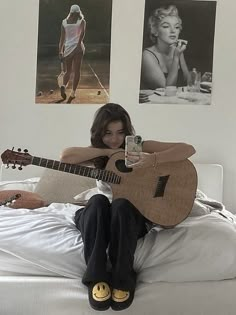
(161, 185)
(120, 165)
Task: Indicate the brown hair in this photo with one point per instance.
(106, 114)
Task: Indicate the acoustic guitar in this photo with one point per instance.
(164, 195)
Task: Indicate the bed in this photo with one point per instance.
(190, 269)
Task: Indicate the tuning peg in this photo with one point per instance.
(6, 165)
(13, 166)
(26, 151)
(12, 149)
(19, 149)
(20, 168)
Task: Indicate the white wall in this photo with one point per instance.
(46, 129)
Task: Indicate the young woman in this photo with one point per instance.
(71, 48)
(163, 63)
(110, 229)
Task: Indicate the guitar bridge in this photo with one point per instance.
(161, 185)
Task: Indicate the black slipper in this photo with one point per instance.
(121, 299)
(63, 92)
(99, 296)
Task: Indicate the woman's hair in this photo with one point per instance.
(108, 113)
(157, 16)
(75, 9)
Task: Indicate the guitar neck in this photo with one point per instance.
(104, 175)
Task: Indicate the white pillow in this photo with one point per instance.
(26, 185)
(61, 187)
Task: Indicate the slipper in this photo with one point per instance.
(121, 299)
(63, 92)
(99, 296)
(70, 99)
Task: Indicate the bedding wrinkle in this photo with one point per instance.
(47, 238)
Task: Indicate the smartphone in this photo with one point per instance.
(132, 144)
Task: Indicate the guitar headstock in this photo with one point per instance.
(10, 157)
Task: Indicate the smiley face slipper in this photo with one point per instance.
(99, 296)
(121, 299)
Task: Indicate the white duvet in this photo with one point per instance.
(46, 242)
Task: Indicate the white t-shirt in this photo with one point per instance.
(104, 189)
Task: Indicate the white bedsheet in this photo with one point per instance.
(46, 242)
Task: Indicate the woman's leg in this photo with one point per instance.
(77, 62)
(68, 63)
(127, 225)
(77, 69)
(94, 224)
(66, 78)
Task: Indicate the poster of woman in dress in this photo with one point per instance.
(177, 52)
(73, 57)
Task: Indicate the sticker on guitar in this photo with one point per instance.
(11, 200)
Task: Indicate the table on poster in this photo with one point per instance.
(183, 96)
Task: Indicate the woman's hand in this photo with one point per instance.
(61, 55)
(180, 47)
(143, 98)
(141, 159)
(80, 48)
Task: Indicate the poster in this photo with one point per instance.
(177, 53)
(84, 71)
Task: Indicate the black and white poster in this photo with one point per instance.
(177, 53)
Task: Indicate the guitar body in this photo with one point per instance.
(164, 195)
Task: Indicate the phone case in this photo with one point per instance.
(132, 144)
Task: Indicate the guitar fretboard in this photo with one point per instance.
(104, 175)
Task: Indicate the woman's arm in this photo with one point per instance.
(155, 152)
(78, 155)
(152, 75)
(178, 60)
(61, 42)
(169, 151)
(172, 76)
(82, 32)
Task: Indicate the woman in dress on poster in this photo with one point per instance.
(71, 49)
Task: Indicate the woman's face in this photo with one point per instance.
(168, 29)
(114, 135)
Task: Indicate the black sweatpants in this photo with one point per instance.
(115, 227)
